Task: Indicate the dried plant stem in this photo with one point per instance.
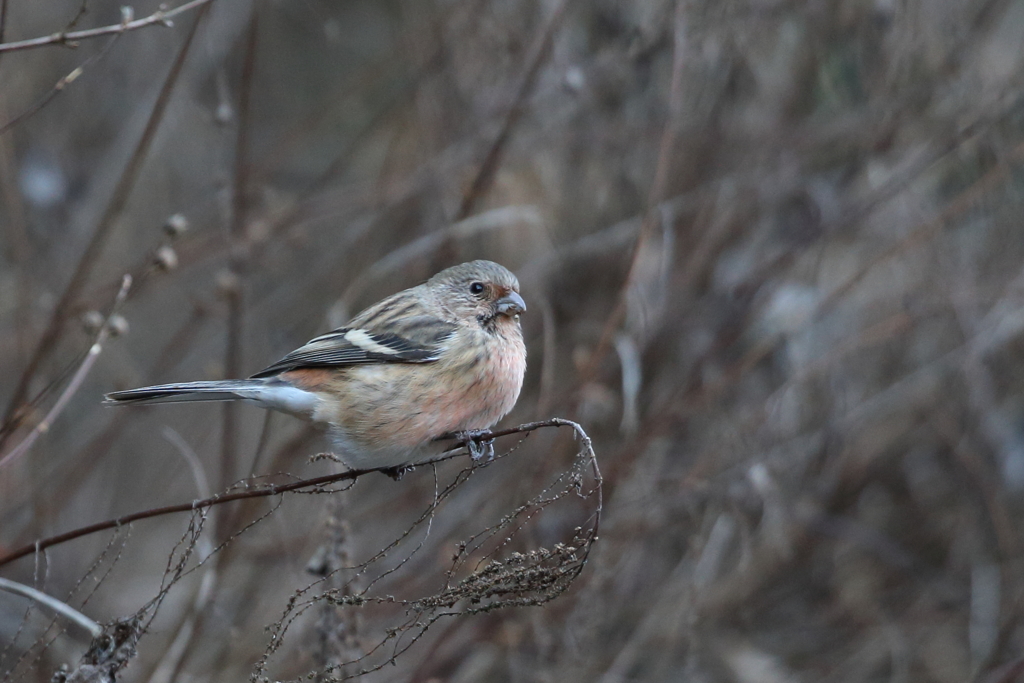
(15, 234)
(659, 188)
(337, 631)
(170, 664)
(235, 292)
(268, 490)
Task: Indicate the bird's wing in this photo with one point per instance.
(416, 339)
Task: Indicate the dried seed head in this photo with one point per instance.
(166, 258)
(176, 224)
(118, 325)
(92, 321)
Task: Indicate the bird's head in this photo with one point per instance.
(481, 290)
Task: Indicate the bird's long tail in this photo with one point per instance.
(219, 390)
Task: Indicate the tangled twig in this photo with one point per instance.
(498, 579)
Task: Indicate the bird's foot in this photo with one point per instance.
(326, 456)
(479, 443)
(397, 473)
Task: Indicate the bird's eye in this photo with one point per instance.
(477, 288)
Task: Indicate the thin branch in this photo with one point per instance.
(273, 489)
(169, 665)
(71, 38)
(83, 9)
(235, 292)
(58, 88)
(90, 256)
(3, 19)
(76, 381)
(485, 175)
(15, 233)
(53, 604)
(659, 188)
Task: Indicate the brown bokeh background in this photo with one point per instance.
(774, 258)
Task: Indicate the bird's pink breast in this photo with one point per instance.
(392, 409)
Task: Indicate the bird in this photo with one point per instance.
(444, 359)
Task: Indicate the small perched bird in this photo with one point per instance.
(445, 358)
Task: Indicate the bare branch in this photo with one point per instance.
(271, 490)
(71, 38)
(57, 89)
(235, 292)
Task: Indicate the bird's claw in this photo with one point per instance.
(397, 473)
(479, 444)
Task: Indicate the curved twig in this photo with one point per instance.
(52, 603)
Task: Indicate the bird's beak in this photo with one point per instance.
(511, 304)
